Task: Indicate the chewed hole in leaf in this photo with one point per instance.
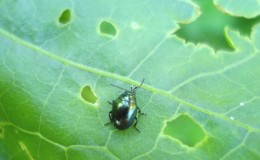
(209, 28)
(107, 28)
(88, 95)
(185, 129)
(65, 17)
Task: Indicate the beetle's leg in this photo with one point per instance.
(110, 117)
(136, 120)
(110, 102)
(139, 111)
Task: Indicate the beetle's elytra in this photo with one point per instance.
(124, 109)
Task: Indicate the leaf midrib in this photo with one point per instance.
(121, 78)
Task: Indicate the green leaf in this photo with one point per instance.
(248, 9)
(52, 50)
(209, 27)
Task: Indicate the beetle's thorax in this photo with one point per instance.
(131, 98)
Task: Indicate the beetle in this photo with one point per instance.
(124, 109)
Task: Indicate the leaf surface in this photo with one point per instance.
(46, 62)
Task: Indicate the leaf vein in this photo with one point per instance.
(236, 147)
(48, 96)
(202, 75)
(147, 57)
(127, 80)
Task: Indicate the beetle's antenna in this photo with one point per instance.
(135, 88)
(139, 86)
(118, 87)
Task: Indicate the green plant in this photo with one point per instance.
(57, 59)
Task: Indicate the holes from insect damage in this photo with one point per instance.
(211, 31)
(88, 95)
(107, 28)
(185, 129)
(65, 17)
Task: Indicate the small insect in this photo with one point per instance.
(125, 109)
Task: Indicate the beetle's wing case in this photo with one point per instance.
(124, 109)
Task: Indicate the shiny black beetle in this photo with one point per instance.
(125, 109)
